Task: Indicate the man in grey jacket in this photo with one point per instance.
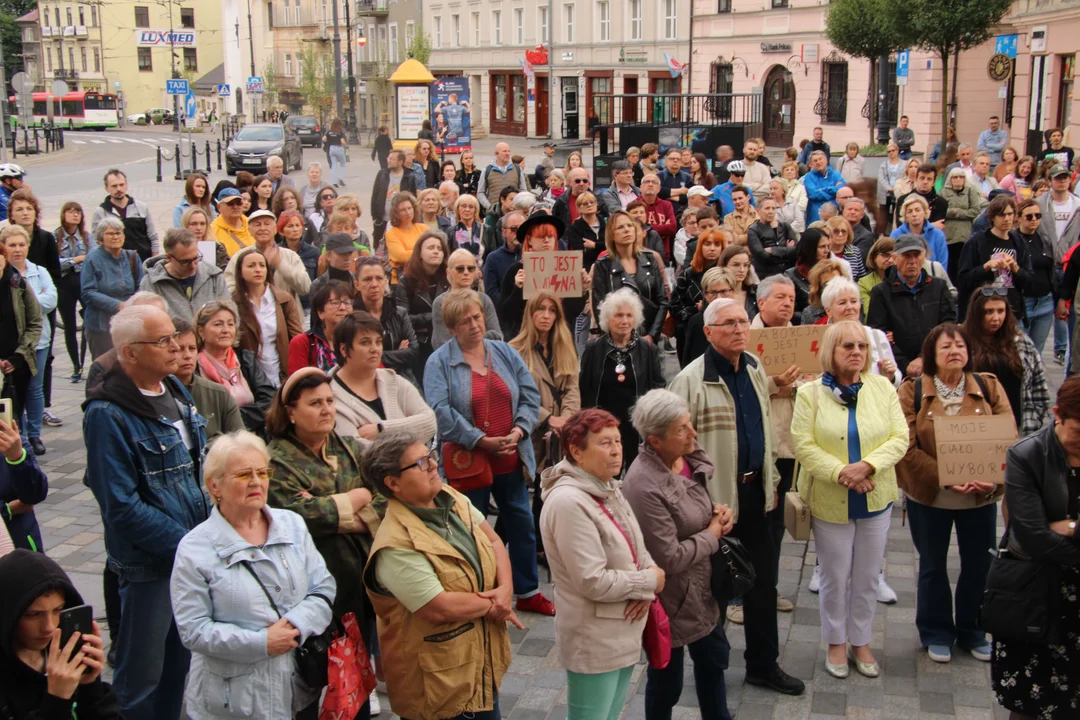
(622, 191)
(181, 277)
(140, 233)
(1060, 212)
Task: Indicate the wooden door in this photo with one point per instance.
(542, 106)
(629, 109)
(779, 108)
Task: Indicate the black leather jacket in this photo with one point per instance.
(396, 327)
(1036, 493)
(648, 283)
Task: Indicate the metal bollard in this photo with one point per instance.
(37, 141)
(159, 163)
(218, 154)
(179, 173)
(208, 158)
(194, 157)
(60, 134)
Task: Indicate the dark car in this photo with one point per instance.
(307, 128)
(255, 142)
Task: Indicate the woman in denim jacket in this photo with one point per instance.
(243, 664)
(110, 276)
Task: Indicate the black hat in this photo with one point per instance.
(538, 219)
(339, 243)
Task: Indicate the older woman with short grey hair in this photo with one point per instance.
(619, 366)
(110, 276)
(666, 488)
(842, 301)
(248, 587)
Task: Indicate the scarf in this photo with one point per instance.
(228, 375)
(846, 395)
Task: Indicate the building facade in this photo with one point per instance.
(388, 29)
(30, 32)
(580, 51)
(71, 46)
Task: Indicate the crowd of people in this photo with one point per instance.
(295, 430)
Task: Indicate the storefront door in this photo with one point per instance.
(779, 108)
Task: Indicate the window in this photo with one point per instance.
(723, 6)
(82, 57)
(635, 19)
(393, 42)
(97, 60)
(82, 15)
(832, 106)
(93, 15)
(288, 65)
(455, 28)
(603, 10)
(382, 42)
(779, 3)
(58, 16)
(671, 25)
(190, 61)
(69, 20)
(285, 12)
(187, 18)
(496, 27)
(325, 15)
(71, 58)
(48, 58)
(142, 17)
(410, 33)
(721, 81)
(146, 63)
(438, 31)
(519, 26)
(568, 13)
(545, 36)
(476, 28)
(270, 15)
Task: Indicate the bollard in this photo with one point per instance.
(159, 163)
(208, 158)
(37, 141)
(179, 173)
(60, 134)
(194, 156)
(218, 154)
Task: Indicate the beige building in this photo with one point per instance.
(591, 49)
(70, 36)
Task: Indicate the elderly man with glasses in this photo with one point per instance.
(728, 394)
(566, 206)
(181, 277)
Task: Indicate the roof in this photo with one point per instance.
(31, 16)
(208, 83)
(412, 71)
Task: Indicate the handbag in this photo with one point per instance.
(656, 638)
(468, 469)
(796, 512)
(733, 573)
(1020, 599)
(352, 678)
(311, 657)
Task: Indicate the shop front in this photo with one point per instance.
(507, 102)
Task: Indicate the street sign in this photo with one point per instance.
(189, 106)
(116, 84)
(903, 66)
(1006, 45)
(254, 85)
(223, 91)
(22, 83)
(59, 87)
(176, 87)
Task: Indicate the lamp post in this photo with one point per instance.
(351, 120)
(337, 62)
(361, 41)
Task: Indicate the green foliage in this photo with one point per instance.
(868, 28)
(271, 86)
(316, 78)
(420, 47)
(11, 34)
(873, 150)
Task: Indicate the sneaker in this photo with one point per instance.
(373, 703)
(537, 604)
(110, 657)
(735, 614)
(1059, 357)
(885, 594)
(76, 377)
(666, 345)
(940, 653)
(815, 580)
(982, 651)
(783, 604)
(778, 680)
(38, 446)
(51, 420)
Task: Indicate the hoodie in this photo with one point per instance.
(24, 694)
(184, 300)
(594, 569)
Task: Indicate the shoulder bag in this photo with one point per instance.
(733, 573)
(657, 634)
(469, 469)
(1020, 599)
(312, 664)
(796, 512)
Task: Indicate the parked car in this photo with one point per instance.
(255, 142)
(307, 128)
(159, 115)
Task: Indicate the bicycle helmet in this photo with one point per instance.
(735, 166)
(11, 170)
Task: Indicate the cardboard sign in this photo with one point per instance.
(558, 273)
(780, 348)
(973, 448)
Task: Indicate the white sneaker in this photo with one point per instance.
(885, 594)
(815, 581)
(374, 703)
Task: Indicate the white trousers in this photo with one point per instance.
(849, 557)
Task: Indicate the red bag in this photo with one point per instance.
(656, 638)
(352, 678)
(467, 469)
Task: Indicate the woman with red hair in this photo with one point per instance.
(290, 234)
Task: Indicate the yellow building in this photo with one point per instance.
(136, 41)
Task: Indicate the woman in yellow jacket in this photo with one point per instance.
(849, 433)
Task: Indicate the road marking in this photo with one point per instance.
(98, 142)
(116, 142)
(79, 142)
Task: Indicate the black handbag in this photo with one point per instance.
(732, 572)
(1020, 600)
(311, 657)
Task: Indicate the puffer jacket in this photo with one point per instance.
(964, 206)
(674, 513)
(222, 615)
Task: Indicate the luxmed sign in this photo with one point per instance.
(163, 38)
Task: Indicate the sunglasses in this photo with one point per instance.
(464, 268)
(849, 346)
(581, 181)
(992, 291)
(1033, 216)
(246, 476)
(327, 197)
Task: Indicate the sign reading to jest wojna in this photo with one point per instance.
(557, 272)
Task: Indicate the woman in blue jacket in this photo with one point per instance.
(110, 276)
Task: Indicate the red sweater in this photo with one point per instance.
(662, 219)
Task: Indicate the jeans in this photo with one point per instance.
(976, 535)
(664, 687)
(759, 605)
(151, 663)
(596, 696)
(1040, 316)
(512, 498)
(35, 398)
(1062, 330)
(337, 164)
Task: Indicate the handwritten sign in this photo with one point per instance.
(558, 273)
(973, 448)
(780, 348)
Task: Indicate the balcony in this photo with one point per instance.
(65, 74)
(372, 69)
(372, 7)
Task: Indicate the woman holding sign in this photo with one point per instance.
(936, 502)
(999, 346)
(628, 264)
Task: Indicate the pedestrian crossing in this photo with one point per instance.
(151, 141)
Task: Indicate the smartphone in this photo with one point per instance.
(5, 410)
(77, 619)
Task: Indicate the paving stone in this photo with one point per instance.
(522, 713)
(538, 698)
(513, 684)
(866, 697)
(755, 711)
(557, 713)
(536, 647)
(936, 702)
(550, 678)
(972, 697)
(827, 703)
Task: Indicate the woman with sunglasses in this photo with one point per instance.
(587, 231)
(1038, 296)
(463, 273)
(998, 346)
(997, 258)
(424, 279)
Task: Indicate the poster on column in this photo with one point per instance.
(412, 110)
(451, 108)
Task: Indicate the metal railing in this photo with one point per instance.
(612, 111)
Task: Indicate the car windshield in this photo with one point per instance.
(264, 133)
(302, 122)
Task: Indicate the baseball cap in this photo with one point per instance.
(227, 194)
(698, 191)
(549, 144)
(339, 243)
(908, 242)
(261, 214)
(1057, 171)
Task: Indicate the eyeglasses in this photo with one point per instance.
(512, 228)
(343, 302)
(186, 263)
(464, 268)
(247, 476)
(1032, 216)
(113, 233)
(992, 291)
(731, 325)
(161, 342)
(849, 346)
(580, 181)
(425, 463)
(328, 196)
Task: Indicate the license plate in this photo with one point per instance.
(253, 161)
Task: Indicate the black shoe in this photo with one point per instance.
(110, 657)
(778, 680)
(38, 446)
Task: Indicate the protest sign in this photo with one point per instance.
(973, 447)
(556, 272)
(781, 347)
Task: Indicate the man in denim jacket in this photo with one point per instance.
(144, 446)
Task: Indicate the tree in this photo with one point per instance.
(419, 47)
(270, 83)
(314, 79)
(869, 29)
(946, 28)
(11, 34)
